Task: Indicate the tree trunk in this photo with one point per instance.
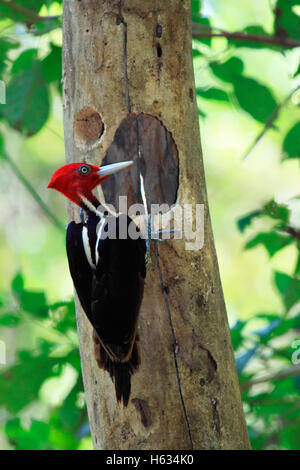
(129, 94)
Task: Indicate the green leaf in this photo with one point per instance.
(272, 241)
(282, 353)
(285, 389)
(5, 45)
(41, 432)
(297, 71)
(34, 438)
(288, 287)
(69, 413)
(62, 440)
(52, 65)
(9, 320)
(271, 209)
(196, 10)
(64, 317)
(25, 61)
(246, 220)
(270, 410)
(196, 53)
(20, 384)
(215, 94)
(17, 284)
(297, 269)
(286, 326)
(286, 21)
(257, 440)
(291, 143)
(2, 146)
(229, 71)
(27, 101)
(277, 211)
(34, 303)
(236, 335)
(290, 436)
(254, 98)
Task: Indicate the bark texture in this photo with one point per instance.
(129, 94)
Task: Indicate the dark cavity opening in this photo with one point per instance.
(144, 139)
(159, 51)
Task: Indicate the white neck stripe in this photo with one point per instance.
(90, 205)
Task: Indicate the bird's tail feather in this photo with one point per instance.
(120, 372)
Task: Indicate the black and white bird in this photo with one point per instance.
(108, 270)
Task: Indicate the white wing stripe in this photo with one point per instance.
(87, 247)
(100, 228)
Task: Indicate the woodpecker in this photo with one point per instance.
(108, 271)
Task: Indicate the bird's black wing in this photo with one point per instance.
(110, 284)
(117, 291)
(81, 271)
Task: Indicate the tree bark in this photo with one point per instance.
(129, 93)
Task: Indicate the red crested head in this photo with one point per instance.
(77, 180)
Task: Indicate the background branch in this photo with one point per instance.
(30, 15)
(270, 121)
(33, 193)
(284, 374)
(199, 31)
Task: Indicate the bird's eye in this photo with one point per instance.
(84, 170)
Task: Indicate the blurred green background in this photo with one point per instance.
(248, 98)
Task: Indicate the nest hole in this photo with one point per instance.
(88, 128)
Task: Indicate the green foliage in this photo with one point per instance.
(272, 241)
(228, 71)
(29, 5)
(254, 98)
(6, 44)
(24, 11)
(289, 288)
(246, 220)
(52, 66)
(34, 438)
(196, 10)
(29, 78)
(278, 237)
(286, 22)
(215, 94)
(291, 143)
(22, 381)
(272, 406)
(9, 319)
(27, 100)
(32, 302)
(32, 74)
